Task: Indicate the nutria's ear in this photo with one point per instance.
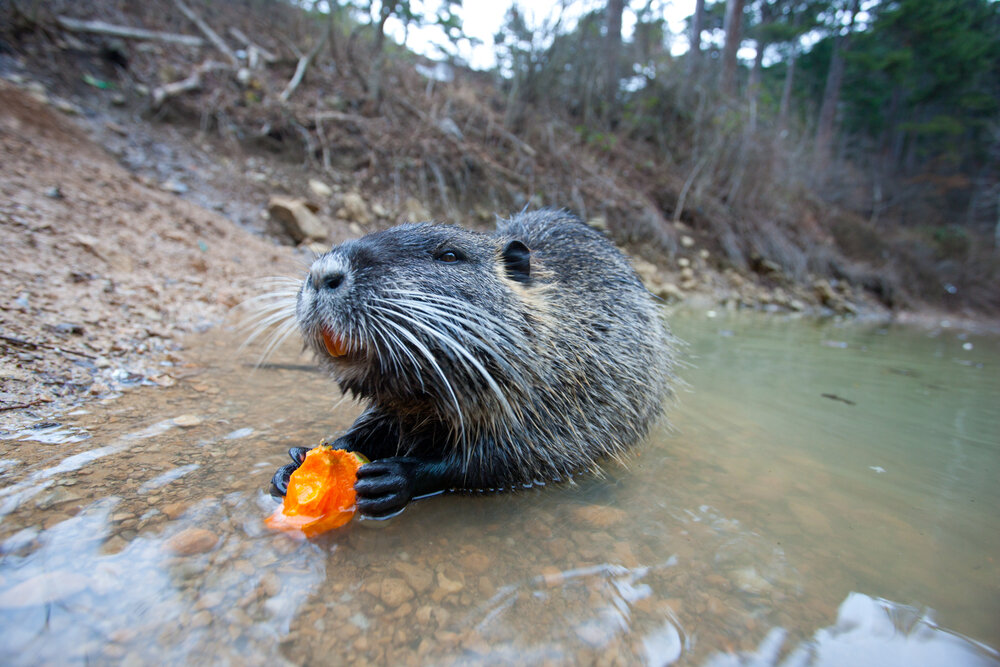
(517, 259)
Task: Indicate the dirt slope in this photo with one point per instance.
(102, 274)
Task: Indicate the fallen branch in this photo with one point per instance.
(305, 61)
(19, 406)
(32, 345)
(342, 117)
(193, 82)
(252, 47)
(126, 32)
(207, 31)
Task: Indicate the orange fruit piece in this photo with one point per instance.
(320, 493)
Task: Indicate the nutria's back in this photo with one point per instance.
(488, 360)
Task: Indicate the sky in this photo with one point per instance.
(482, 18)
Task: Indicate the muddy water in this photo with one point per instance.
(828, 495)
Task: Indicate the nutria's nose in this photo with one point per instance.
(331, 280)
(328, 272)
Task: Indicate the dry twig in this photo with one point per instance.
(193, 82)
(212, 36)
(32, 345)
(305, 61)
(252, 47)
(126, 32)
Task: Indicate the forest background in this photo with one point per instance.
(855, 156)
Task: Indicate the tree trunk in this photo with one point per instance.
(375, 73)
(612, 56)
(694, 50)
(753, 87)
(786, 91)
(733, 23)
(831, 94)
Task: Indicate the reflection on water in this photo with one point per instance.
(868, 633)
(807, 461)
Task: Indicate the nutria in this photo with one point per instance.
(489, 361)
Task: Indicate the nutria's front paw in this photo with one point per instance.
(383, 488)
(279, 483)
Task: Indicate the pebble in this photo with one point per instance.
(598, 516)
(394, 591)
(192, 541)
(552, 576)
(419, 578)
(174, 186)
(201, 619)
(188, 421)
(447, 584)
(746, 579)
(538, 529)
(475, 562)
(174, 510)
(320, 189)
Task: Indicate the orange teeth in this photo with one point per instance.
(335, 345)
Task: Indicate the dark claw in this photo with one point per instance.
(298, 455)
(279, 483)
(383, 488)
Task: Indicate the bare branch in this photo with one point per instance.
(207, 31)
(126, 32)
(305, 61)
(193, 82)
(265, 55)
(687, 186)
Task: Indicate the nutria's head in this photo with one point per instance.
(418, 315)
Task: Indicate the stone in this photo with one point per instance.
(447, 584)
(393, 592)
(824, 292)
(552, 576)
(419, 578)
(646, 270)
(600, 223)
(174, 186)
(298, 217)
(201, 619)
(379, 210)
(668, 291)
(57, 496)
(414, 211)
(687, 241)
(174, 510)
(354, 208)
(192, 541)
(188, 421)
(687, 273)
(746, 579)
(475, 562)
(320, 189)
(66, 107)
(598, 516)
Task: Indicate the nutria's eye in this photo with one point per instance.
(448, 256)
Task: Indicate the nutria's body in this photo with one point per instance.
(489, 361)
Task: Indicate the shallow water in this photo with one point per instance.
(828, 495)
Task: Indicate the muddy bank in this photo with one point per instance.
(103, 273)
